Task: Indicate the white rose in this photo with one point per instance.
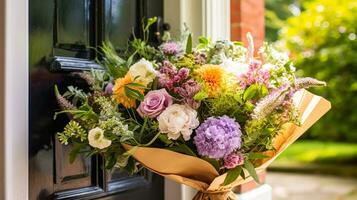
(178, 120)
(97, 140)
(237, 68)
(143, 70)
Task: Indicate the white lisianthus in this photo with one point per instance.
(97, 140)
(143, 71)
(237, 68)
(178, 120)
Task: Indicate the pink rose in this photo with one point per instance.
(154, 103)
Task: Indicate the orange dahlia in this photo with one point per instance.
(213, 78)
(119, 91)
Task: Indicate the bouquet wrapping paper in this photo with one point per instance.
(201, 175)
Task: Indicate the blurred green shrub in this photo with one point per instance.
(323, 41)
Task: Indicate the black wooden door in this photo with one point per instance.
(63, 36)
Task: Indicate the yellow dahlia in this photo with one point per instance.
(213, 78)
(119, 91)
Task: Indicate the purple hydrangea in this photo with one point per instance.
(218, 137)
(171, 48)
(233, 160)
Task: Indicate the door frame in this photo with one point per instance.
(14, 99)
(14, 83)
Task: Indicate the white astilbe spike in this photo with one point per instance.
(250, 52)
(267, 105)
(301, 83)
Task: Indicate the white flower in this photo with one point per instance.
(237, 68)
(269, 67)
(176, 120)
(143, 71)
(97, 140)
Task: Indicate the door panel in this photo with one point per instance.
(62, 36)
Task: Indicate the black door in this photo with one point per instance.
(63, 38)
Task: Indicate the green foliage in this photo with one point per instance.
(250, 168)
(76, 94)
(232, 175)
(306, 151)
(189, 44)
(323, 41)
(277, 11)
(115, 66)
(72, 131)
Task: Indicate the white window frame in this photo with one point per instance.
(14, 99)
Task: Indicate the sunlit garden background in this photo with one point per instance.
(321, 36)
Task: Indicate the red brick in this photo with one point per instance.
(247, 16)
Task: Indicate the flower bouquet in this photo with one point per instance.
(210, 116)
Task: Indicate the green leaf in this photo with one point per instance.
(189, 44)
(200, 96)
(253, 156)
(263, 91)
(182, 148)
(249, 106)
(111, 160)
(152, 140)
(232, 175)
(250, 168)
(165, 139)
(251, 92)
(242, 174)
(75, 151)
(137, 85)
(213, 162)
(203, 40)
(134, 94)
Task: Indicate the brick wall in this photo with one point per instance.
(247, 16)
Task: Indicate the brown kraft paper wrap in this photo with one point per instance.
(202, 176)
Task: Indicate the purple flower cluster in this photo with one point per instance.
(169, 76)
(218, 137)
(178, 82)
(171, 48)
(233, 160)
(255, 74)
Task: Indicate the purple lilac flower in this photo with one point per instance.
(171, 48)
(255, 74)
(218, 137)
(233, 160)
(169, 76)
(188, 89)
